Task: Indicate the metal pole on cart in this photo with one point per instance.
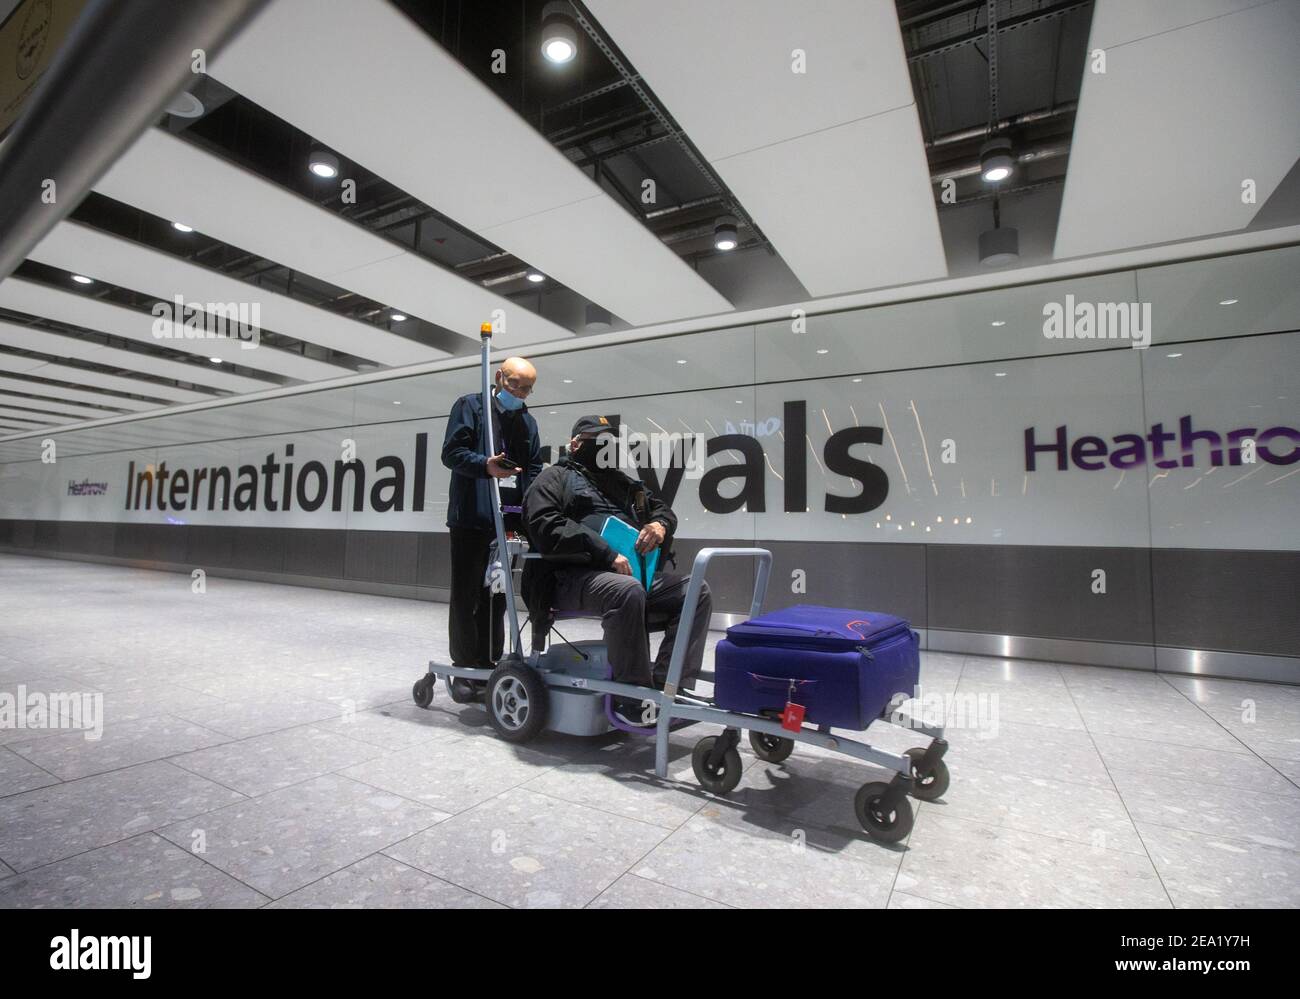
(500, 572)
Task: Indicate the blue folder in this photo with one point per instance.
(621, 536)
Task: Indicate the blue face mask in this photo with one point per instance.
(509, 402)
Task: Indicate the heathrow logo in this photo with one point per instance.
(87, 488)
(1163, 448)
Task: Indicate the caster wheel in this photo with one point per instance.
(770, 748)
(516, 702)
(721, 779)
(422, 692)
(886, 827)
(928, 788)
(463, 691)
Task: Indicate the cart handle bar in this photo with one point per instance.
(698, 569)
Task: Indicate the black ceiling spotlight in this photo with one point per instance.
(725, 236)
(996, 161)
(559, 35)
(323, 164)
(998, 246)
(598, 319)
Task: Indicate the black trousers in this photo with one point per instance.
(475, 611)
(624, 608)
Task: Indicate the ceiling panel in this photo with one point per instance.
(1118, 23)
(45, 406)
(865, 219)
(458, 148)
(1184, 113)
(840, 244)
(48, 302)
(57, 345)
(237, 207)
(36, 419)
(105, 257)
(79, 376)
(73, 395)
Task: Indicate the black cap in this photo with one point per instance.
(593, 425)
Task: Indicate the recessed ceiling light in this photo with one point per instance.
(559, 38)
(998, 322)
(740, 402)
(995, 160)
(1174, 355)
(397, 402)
(81, 279)
(398, 317)
(725, 235)
(681, 360)
(1229, 301)
(999, 374)
(323, 164)
(823, 350)
(856, 380)
(185, 105)
(215, 360)
(182, 227)
(536, 277)
(568, 381)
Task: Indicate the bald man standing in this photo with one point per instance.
(476, 614)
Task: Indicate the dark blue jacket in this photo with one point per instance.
(469, 503)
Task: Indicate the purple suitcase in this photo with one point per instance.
(845, 665)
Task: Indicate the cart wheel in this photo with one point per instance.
(516, 702)
(888, 828)
(928, 788)
(770, 748)
(422, 692)
(721, 779)
(462, 691)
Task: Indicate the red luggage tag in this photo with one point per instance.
(792, 716)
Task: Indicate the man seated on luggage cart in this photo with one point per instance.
(564, 511)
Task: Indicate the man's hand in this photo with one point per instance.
(499, 468)
(622, 566)
(651, 537)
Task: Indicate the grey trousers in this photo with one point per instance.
(625, 608)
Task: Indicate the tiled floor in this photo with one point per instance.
(260, 747)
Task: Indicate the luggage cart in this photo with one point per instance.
(567, 689)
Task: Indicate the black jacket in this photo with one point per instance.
(563, 494)
(469, 503)
(554, 507)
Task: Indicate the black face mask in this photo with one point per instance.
(587, 453)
